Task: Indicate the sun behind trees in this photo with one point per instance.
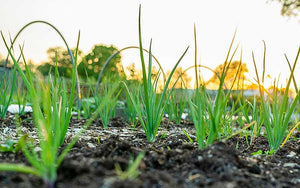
(91, 64)
(184, 81)
(235, 69)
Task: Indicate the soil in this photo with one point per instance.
(171, 161)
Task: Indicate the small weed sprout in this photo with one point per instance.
(188, 136)
(132, 171)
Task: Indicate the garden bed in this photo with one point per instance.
(171, 161)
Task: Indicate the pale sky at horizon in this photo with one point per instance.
(168, 22)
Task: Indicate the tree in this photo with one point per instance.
(92, 63)
(44, 68)
(61, 56)
(230, 76)
(134, 75)
(289, 7)
(184, 82)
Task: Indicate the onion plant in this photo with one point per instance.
(7, 86)
(51, 114)
(153, 104)
(278, 110)
(130, 111)
(88, 102)
(88, 106)
(251, 112)
(21, 98)
(176, 104)
(198, 113)
(109, 110)
(208, 114)
(296, 117)
(132, 170)
(51, 125)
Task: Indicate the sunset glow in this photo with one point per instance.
(168, 23)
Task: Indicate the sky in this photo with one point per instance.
(169, 23)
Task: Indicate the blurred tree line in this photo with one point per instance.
(235, 77)
(289, 7)
(88, 67)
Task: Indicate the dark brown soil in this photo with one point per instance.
(171, 161)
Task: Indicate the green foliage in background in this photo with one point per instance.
(289, 7)
(235, 68)
(62, 57)
(92, 63)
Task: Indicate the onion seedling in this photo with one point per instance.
(6, 90)
(188, 136)
(209, 115)
(130, 111)
(51, 125)
(51, 114)
(132, 171)
(88, 104)
(256, 115)
(109, 110)
(277, 112)
(8, 83)
(153, 104)
(176, 105)
(21, 100)
(198, 112)
(7, 86)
